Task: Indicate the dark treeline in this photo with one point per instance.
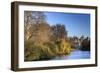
(82, 43)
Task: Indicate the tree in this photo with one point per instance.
(36, 33)
(32, 21)
(58, 32)
(27, 25)
(38, 17)
(42, 34)
(85, 44)
(59, 36)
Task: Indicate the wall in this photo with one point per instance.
(5, 40)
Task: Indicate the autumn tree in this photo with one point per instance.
(27, 25)
(59, 36)
(37, 35)
(32, 21)
(39, 17)
(59, 32)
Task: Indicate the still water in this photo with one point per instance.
(76, 54)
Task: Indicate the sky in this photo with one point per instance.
(76, 24)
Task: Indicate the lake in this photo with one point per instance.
(76, 54)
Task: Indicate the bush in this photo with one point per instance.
(39, 52)
(64, 48)
(46, 51)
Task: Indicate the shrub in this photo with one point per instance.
(46, 51)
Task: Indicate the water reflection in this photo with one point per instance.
(76, 54)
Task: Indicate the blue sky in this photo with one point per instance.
(76, 24)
